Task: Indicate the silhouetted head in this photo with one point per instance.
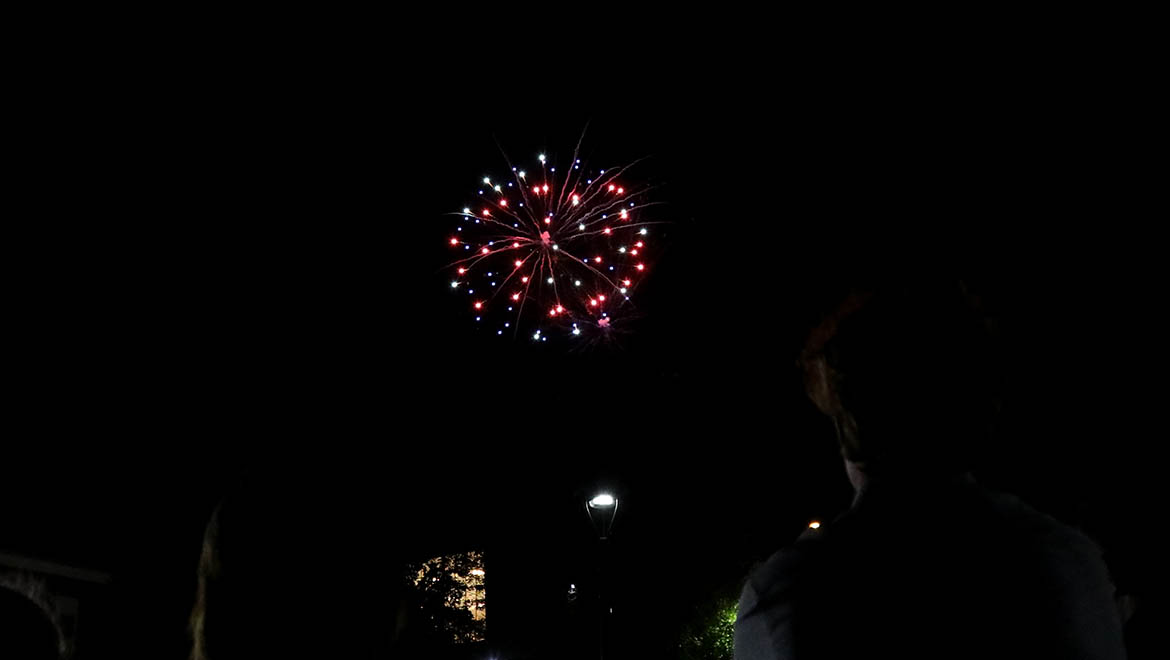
(27, 630)
(908, 372)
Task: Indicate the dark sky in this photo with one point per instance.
(242, 278)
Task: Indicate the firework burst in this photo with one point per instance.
(548, 253)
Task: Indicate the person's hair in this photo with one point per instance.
(909, 373)
(28, 624)
(208, 573)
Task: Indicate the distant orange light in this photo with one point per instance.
(597, 259)
(814, 525)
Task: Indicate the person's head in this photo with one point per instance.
(27, 628)
(908, 374)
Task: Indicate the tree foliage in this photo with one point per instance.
(711, 634)
(449, 593)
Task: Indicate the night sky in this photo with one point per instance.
(244, 286)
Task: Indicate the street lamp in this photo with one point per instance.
(605, 506)
(602, 510)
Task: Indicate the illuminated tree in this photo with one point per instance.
(711, 635)
(451, 596)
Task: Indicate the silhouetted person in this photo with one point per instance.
(285, 573)
(926, 563)
(27, 631)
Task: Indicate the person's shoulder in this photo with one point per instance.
(1032, 525)
(777, 575)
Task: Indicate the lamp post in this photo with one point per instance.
(605, 507)
(602, 510)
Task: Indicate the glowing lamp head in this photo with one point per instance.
(515, 296)
(814, 525)
(524, 279)
(515, 244)
(607, 231)
(462, 270)
(544, 187)
(454, 241)
(479, 305)
(503, 202)
(485, 251)
(603, 500)
(641, 266)
(522, 175)
(626, 282)
(597, 259)
(519, 263)
(541, 157)
(612, 187)
(621, 191)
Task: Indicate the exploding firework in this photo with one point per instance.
(554, 254)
